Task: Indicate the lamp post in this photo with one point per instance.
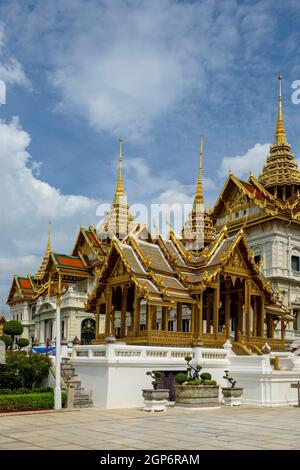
(57, 390)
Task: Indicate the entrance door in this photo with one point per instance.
(168, 381)
(88, 330)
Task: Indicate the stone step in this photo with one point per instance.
(81, 396)
(83, 405)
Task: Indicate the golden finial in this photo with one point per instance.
(120, 188)
(49, 249)
(199, 194)
(280, 137)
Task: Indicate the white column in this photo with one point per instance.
(57, 390)
(42, 331)
(53, 329)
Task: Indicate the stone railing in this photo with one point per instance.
(123, 352)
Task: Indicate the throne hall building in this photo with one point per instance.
(268, 208)
(204, 286)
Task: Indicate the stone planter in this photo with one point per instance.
(155, 400)
(197, 396)
(232, 396)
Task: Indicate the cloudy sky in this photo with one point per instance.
(159, 73)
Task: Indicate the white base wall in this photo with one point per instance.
(116, 373)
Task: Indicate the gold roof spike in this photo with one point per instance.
(280, 137)
(198, 230)
(281, 168)
(199, 193)
(41, 271)
(118, 221)
(120, 187)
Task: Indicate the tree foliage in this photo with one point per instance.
(6, 340)
(23, 370)
(22, 343)
(13, 328)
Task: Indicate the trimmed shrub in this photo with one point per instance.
(181, 377)
(205, 376)
(29, 401)
(209, 382)
(22, 343)
(194, 382)
(6, 340)
(26, 401)
(21, 391)
(13, 328)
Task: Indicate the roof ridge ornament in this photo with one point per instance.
(120, 186)
(280, 136)
(199, 191)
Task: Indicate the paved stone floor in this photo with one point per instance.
(92, 428)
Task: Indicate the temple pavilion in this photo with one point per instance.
(202, 287)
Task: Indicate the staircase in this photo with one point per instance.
(78, 397)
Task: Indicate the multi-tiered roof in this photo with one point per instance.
(275, 193)
(118, 222)
(280, 175)
(198, 230)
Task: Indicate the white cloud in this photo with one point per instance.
(27, 204)
(159, 188)
(126, 65)
(11, 71)
(253, 160)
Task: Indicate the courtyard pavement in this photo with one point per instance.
(91, 428)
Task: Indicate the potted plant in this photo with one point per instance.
(231, 394)
(196, 390)
(155, 398)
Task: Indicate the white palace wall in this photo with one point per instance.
(116, 373)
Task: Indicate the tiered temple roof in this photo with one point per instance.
(118, 221)
(23, 288)
(198, 230)
(276, 192)
(164, 271)
(281, 168)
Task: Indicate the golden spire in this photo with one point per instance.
(48, 248)
(120, 188)
(41, 271)
(280, 137)
(199, 194)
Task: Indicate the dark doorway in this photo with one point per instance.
(88, 330)
(168, 381)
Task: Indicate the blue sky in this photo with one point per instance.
(81, 73)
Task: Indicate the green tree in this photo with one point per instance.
(6, 340)
(22, 343)
(13, 328)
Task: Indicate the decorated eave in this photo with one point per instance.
(72, 266)
(22, 288)
(89, 237)
(260, 196)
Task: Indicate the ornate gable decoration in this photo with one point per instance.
(236, 261)
(119, 270)
(236, 201)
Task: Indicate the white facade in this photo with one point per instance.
(276, 242)
(38, 319)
